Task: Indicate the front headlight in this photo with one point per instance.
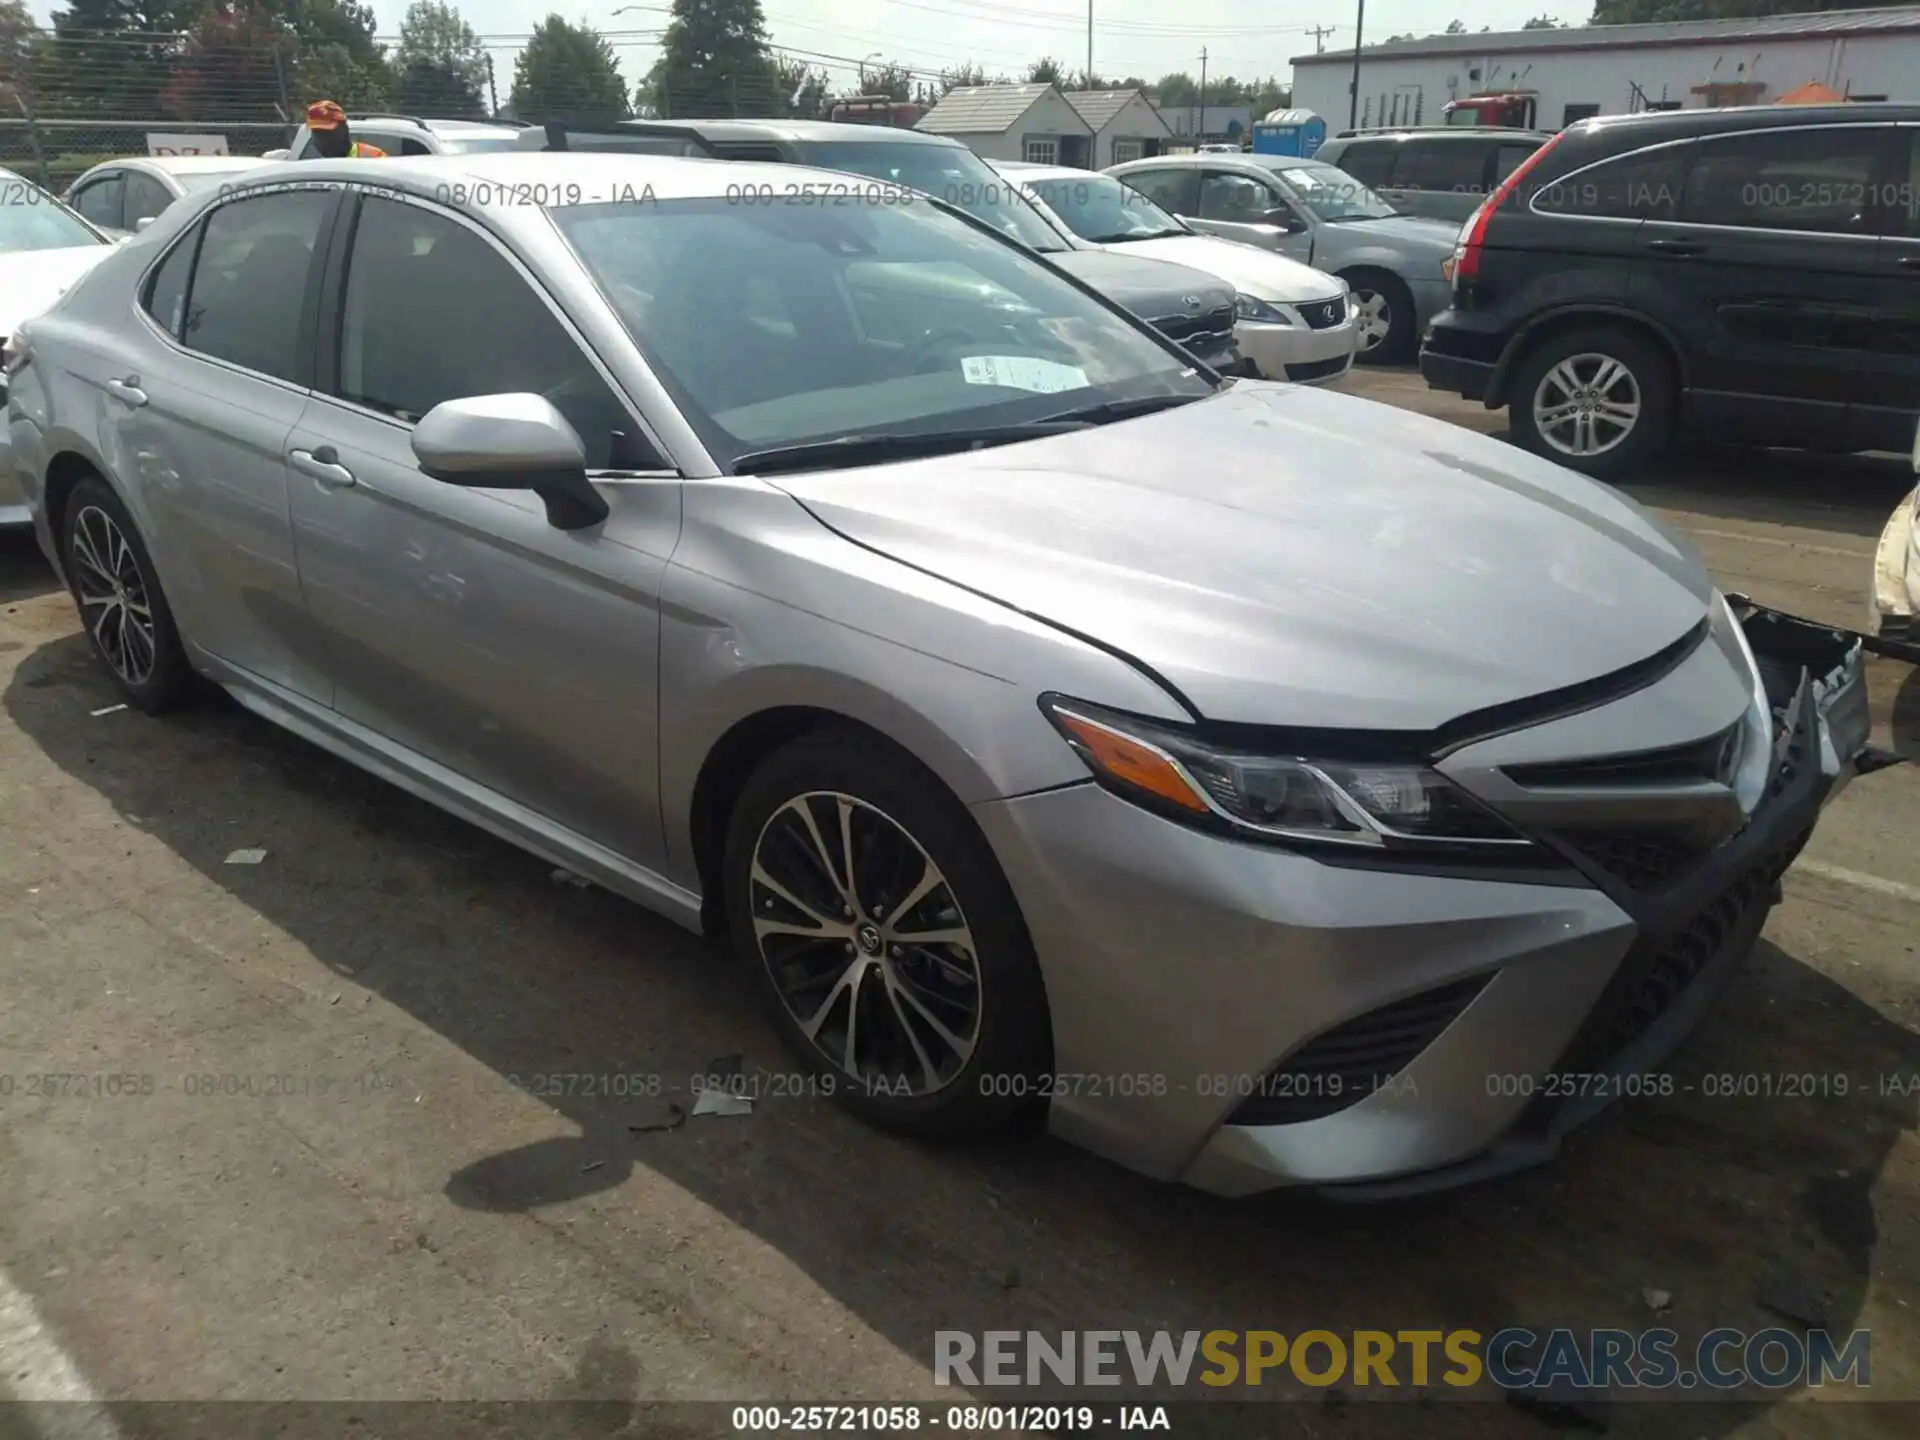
(1276, 797)
(1751, 761)
(1262, 312)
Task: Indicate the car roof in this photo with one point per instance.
(184, 164)
(1025, 171)
(593, 177)
(1443, 132)
(820, 131)
(1676, 124)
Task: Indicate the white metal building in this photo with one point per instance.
(1621, 69)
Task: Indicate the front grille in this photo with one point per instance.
(1349, 1062)
(1199, 332)
(1641, 861)
(1317, 369)
(1324, 314)
(1656, 970)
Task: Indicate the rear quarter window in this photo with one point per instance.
(1641, 185)
(1455, 167)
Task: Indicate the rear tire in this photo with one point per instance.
(1385, 309)
(1600, 400)
(946, 1036)
(114, 585)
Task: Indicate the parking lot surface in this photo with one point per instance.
(396, 1114)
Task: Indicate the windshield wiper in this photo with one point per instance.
(1110, 410)
(879, 447)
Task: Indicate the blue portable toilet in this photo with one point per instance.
(1289, 132)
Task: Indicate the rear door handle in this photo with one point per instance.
(127, 391)
(1910, 262)
(323, 465)
(1677, 247)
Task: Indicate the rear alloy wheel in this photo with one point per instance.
(884, 936)
(1599, 401)
(113, 582)
(1383, 314)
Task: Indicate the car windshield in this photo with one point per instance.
(476, 144)
(1099, 208)
(951, 173)
(1335, 196)
(777, 326)
(31, 219)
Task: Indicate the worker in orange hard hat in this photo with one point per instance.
(332, 140)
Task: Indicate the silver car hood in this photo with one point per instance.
(1152, 289)
(1291, 556)
(1438, 236)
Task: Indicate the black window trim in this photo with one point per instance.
(117, 175)
(1872, 235)
(195, 233)
(329, 301)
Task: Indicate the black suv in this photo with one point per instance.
(1751, 272)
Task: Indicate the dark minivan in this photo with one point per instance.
(1750, 272)
(1441, 174)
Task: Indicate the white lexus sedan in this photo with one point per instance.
(44, 248)
(1294, 322)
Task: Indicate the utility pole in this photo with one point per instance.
(1087, 77)
(1319, 34)
(1200, 127)
(1353, 85)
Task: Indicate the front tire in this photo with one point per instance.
(1383, 307)
(886, 943)
(117, 590)
(1600, 400)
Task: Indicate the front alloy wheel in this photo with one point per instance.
(1586, 405)
(1373, 317)
(883, 937)
(866, 943)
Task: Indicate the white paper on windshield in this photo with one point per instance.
(1022, 372)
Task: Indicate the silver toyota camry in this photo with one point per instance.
(1274, 787)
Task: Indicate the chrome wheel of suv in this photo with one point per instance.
(1586, 405)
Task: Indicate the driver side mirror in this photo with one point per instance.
(143, 222)
(511, 442)
(1285, 219)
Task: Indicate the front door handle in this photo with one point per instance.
(1677, 247)
(1910, 262)
(127, 391)
(323, 465)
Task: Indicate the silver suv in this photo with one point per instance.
(412, 135)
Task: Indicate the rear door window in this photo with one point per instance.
(1369, 161)
(1242, 199)
(1820, 179)
(145, 198)
(1454, 167)
(1509, 157)
(250, 281)
(1177, 190)
(1643, 185)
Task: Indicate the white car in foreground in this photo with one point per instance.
(1295, 322)
(44, 248)
(1896, 571)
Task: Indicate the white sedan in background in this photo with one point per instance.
(1295, 322)
(124, 196)
(44, 248)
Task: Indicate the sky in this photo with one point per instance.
(1130, 37)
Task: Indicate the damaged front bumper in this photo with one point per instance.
(1693, 936)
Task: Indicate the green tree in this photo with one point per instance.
(1456, 27)
(1046, 71)
(1176, 90)
(338, 59)
(961, 77)
(568, 71)
(893, 80)
(108, 58)
(1627, 12)
(803, 91)
(715, 61)
(1542, 22)
(232, 66)
(443, 68)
